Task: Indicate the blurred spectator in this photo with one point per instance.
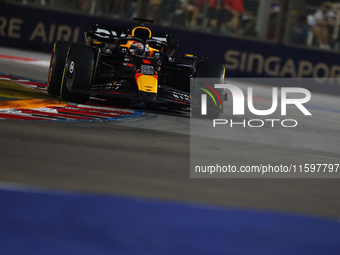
(65, 5)
(247, 24)
(324, 21)
(116, 7)
(231, 11)
(300, 32)
(178, 12)
(143, 9)
(170, 12)
(102, 7)
(275, 9)
(84, 5)
(24, 2)
(44, 2)
(154, 6)
(336, 34)
(212, 11)
(128, 9)
(190, 10)
(111, 7)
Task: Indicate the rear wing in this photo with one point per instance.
(110, 34)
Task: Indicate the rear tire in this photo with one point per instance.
(57, 64)
(78, 73)
(207, 75)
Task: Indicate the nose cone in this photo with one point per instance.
(147, 96)
(147, 86)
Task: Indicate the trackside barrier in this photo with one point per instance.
(37, 29)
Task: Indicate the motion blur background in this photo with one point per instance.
(145, 201)
(286, 22)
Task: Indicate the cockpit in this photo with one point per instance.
(142, 44)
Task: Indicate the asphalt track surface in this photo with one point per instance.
(149, 157)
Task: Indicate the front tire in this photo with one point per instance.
(78, 73)
(57, 64)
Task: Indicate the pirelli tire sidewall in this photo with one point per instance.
(215, 73)
(57, 65)
(78, 72)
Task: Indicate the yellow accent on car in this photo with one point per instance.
(127, 45)
(147, 83)
(94, 64)
(153, 49)
(62, 79)
(51, 66)
(139, 27)
(189, 55)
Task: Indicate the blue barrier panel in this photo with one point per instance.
(37, 29)
(34, 223)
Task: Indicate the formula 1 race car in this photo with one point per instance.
(136, 65)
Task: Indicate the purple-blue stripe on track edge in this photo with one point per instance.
(34, 223)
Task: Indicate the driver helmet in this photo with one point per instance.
(136, 47)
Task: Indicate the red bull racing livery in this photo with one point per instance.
(136, 65)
